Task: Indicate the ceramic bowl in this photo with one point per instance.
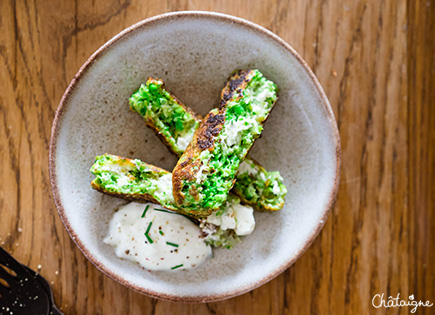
(194, 53)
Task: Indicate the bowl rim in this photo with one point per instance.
(57, 125)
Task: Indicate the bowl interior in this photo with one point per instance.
(195, 54)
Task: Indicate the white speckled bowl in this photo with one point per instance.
(194, 53)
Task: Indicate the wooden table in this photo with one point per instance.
(375, 60)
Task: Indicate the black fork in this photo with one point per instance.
(23, 291)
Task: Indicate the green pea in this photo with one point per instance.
(153, 88)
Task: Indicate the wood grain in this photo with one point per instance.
(375, 60)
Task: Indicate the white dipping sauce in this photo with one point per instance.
(173, 242)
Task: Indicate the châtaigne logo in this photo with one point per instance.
(379, 301)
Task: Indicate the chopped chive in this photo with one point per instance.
(146, 233)
(172, 244)
(149, 227)
(149, 239)
(175, 267)
(145, 211)
(161, 233)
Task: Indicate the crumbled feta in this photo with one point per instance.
(238, 217)
(265, 94)
(235, 129)
(182, 143)
(275, 189)
(263, 177)
(245, 219)
(123, 181)
(184, 139)
(248, 167)
(202, 173)
(164, 187)
(258, 103)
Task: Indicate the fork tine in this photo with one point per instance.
(10, 262)
(6, 275)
